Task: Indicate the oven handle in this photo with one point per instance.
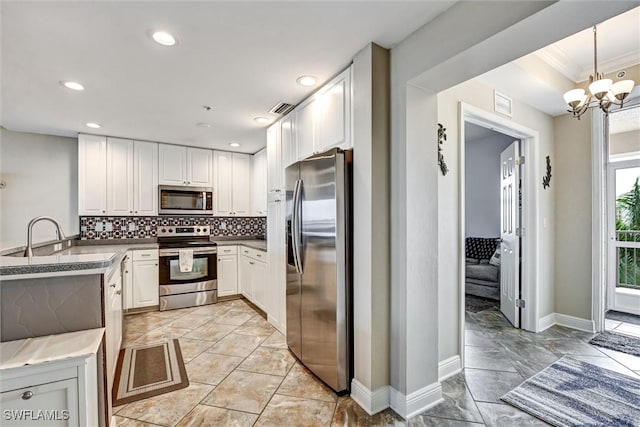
(174, 252)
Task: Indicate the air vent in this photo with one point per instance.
(281, 108)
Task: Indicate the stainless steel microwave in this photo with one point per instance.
(176, 200)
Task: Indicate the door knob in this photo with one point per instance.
(27, 395)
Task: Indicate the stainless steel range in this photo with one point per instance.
(197, 286)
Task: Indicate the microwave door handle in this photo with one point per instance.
(204, 200)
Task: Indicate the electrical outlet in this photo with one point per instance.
(223, 226)
(57, 247)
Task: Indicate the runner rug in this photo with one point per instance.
(147, 370)
(619, 342)
(574, 393)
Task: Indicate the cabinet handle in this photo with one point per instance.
(27, 395)
(259, 256)
(156, 265)
(118, 292)
(126, 272)
(136, 211)
(112, 286)
(251, 262)
(104, 211)
(145, 254)
(130, 211)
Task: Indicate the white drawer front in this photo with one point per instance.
(145, 255)
(227, 250)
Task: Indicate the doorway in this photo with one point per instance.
(527, 204)
(623, 221)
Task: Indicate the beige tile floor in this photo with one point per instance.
(240, 374)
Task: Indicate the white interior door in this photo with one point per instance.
(510, 242)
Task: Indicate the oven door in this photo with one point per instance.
(202, 277)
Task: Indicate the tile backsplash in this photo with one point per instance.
(146, 227)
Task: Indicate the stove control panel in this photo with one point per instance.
(180, 231)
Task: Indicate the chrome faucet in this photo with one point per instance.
(28, 252)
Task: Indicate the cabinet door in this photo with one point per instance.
(274, 181)
(145, 178)
(276, 249)
(289, 154)
(227, 275)
(54, 396)
(259, 183)
(172, 164)
(92, 175)
(119, 176)
(241, 184)
(334, 129)
(222, 169)
(245, 277)
(127, 283)
(145, 284)
(306, 128)
(260, 275)
(199, 167)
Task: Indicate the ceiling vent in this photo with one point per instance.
(282, 108)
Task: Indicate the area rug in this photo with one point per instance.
(574, 393)
(618, 342)
(147, 370)
(622, 317)
(474, 304)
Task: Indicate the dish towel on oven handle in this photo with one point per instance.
(185, 259)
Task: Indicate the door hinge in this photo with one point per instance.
(520, 303)
(520, 160)
(520, 231)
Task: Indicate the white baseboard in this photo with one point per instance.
(371, 401)
(546, 322)
(568, 321)
(419, 401)
(449, 367)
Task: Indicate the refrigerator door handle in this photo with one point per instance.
(296, 225)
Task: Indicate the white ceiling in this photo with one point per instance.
(240, 58)
(541, 78)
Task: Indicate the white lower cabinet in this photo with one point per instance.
(57, 393)
(141, 279)
(227, 271)
(253, 274)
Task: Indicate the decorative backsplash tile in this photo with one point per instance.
(146, 227)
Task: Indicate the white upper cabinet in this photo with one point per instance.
(119, 176)
(199, 162)
(274, 163)
(185, 166)
(306, 118)
(145, 175)
(241, 184)
(232, 183)
(259, 183)
(289, 152)
(173, 165)
(92, 175)
(334, 114)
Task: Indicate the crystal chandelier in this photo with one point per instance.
(603, 92)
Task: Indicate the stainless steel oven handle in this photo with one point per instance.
(173, 252)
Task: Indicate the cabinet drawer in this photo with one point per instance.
(254, 254)
(145, 255)
(227, 250)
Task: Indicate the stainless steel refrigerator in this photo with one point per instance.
(318, 220)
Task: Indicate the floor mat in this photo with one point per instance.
(618, 342)
(572, 393)
(147, 370)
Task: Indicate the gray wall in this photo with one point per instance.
(571, 177)
(625, 142)
(41, 175)
(482, 183)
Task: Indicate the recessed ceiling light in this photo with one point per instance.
(164, 38)
(306, 81)
(93, 125)
(72, 85)
(234, 144)
(203, 125)
(261, 120)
